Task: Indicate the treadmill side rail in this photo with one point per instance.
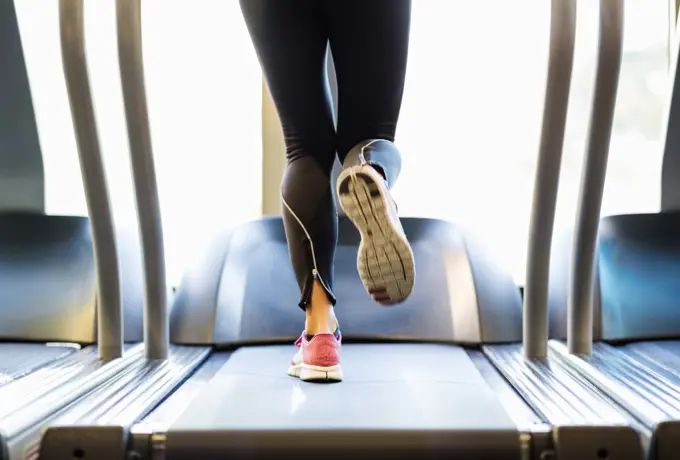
(21, 420)
(535, 434)
(63, 377)
(98, 425)
(585, 423)
(650, 394)
(41, 379)
(21, 359)
(656, 354)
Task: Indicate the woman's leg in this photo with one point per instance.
(369, 41)
(290, 38)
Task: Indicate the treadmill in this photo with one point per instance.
(615, 280)
(441, 376)
(20, 150)
(65, 282)
(48, 287)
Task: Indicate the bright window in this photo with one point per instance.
(469, 128)
(472, 113)
(204, 92)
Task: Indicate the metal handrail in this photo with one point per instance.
(109, 308)
(560, 64)
(581, 285)
(156, 322)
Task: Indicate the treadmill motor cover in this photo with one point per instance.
(244, 290)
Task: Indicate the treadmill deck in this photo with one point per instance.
(403, 395)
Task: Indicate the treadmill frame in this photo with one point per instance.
(585, 422)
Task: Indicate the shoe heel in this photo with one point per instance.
(315, 374)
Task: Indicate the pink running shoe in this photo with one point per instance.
(318, 358)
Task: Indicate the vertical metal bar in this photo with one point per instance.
(109, 311)
(610, 50)
(129, 25)
(560, 63)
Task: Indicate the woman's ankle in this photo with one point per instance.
(316, 326)
(320, 313)
(321, 323)
(320, 319)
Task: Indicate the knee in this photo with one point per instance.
(305, 179)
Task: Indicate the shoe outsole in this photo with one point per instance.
(385, 259)
(308, 373)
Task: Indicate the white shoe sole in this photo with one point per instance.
(306, 372)
(385, 260)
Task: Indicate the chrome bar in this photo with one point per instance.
(129, 24)
(109, 310)
(560, 63)
(580, 306)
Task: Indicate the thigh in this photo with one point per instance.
(290, 38)
(369, 42)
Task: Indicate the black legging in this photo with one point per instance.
(369, 45)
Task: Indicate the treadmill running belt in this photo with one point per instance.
(19, 359)
(394, 395)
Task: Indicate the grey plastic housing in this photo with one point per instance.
(22, 174)
(636, 286)
(243, 290)
(47, 279)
